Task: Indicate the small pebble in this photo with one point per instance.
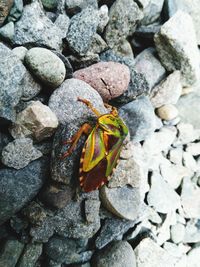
(167, 112)
(177, 233)
(20, 52)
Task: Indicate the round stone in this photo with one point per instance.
(167, 112)
(45, 65)
(177, 233)
(20, 52)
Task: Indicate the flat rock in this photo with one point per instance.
(177, 233)
(5, 7)
(167, 91)
(152, 11)
(178, 50)
(81, 30)
(161, 195)
(7, 32)
(37, 121)
(193, 148)
(12, 73)
(117, 30)
(110, 79)
(192, 232)
(186, 134)
(176, 155)
(194, 257)
(140, 118)
(35, 28)
(148, 64)
(18, 187)
(46, 66)
(118, 254)
(30, 255)
(123, 202)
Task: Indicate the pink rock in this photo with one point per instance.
(110, 79)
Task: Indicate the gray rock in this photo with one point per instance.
(186, 134)
(46, 66)
(5, 9)
(161, 195)
(152, 11)
(75, 6)
(30, 255)
(91, 210)
(103, 18)
(4, 140)
(68, 251)
(34, 28)
(12, 73)
(148, 64)
(17, 188)
(7, 32)
(98, 45)
(11, 252)
(50, 4)
(81, 30)
(194, 257)
(124, 202)
(192, 232)
(80, 62)
(118, 254)
(177, 232)
(20, 52)
(147, 31)
(140, 118)
(62, 22)
(20, 153)
(178, 51)
(168, 91)
(124, 49)
(125, 24)
(112, 229)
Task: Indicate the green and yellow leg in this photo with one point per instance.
(90, 106)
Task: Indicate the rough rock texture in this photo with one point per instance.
(151, 10)
(30, 255)
(5, 7)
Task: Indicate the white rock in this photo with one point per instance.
(186, 134)
(164, 230)
(177, 232)
(167, 112)
(189, 161)
(193, 149)
(193, 258)
(192, 232)
(176, 155)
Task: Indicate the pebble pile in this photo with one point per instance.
(140, 56)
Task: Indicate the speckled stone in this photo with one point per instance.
(167, 112)
(20, 52)
(30, 255)
(110, 79)
(5, 7)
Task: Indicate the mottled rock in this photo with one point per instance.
(110, 79)
(80, 62)
(148, 64)
(177, 232)
(193, 257)
(46, 66)
(5, 7)
(152, 11)
(125, 24)
(62, 22)
(12, 73)
(20, 52)
(167, 112)
(192, 231)
(30, 87)
(7, 32)
(35, 28)
(118, 254)
(91, 209)
(10, 252)
(76, 6)
(193, 148)
(178, 51)
(20, 153)
(167, 91)
(18, 187)
(16, 10)
(98, 45)
(37, 120)
(30, 255)
(161, 195)
(123, 202)
(81, 30)
(50, 4)
(4, 140)
(186, 134)
(140, 118)
(103, 18)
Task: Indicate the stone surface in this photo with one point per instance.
(193, 257)
(125, 24)
(30, 87)
(193, 148)
(140, 118)
(19, 153)
(123, 202)
(12, 73)
(148, 64)
(110, 79)
(5, 7)
(118, 254)
(20, 52)
(178, 51)
(16, 10)
(167, 112)
(18, 187)
(192, 232)
(161, 195)
(177, 232)
(37, 121)
(152, 11)
(62, 22)
(35, 28)
(186, 134)
(50, 4)
(30, 255)
(7, 32)
(46, 66)
(76, 6)
(81, 30)
(167, 91)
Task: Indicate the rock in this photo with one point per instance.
(178, 50)
(192, 231)
(20, 153)
(50, 4)
(81, 30)
(11, 252)
(16, 10)
(123, 202)
(190, 199)
(91, 210)
(176, 155)
(46, 66)
(37, 121)
(76, 6)
(139, 116)
(190, 115)
(17, 188)
(4, 140)
(98, 45)
(193, 257)
(124, 49)
(161, 195)
(65, 250)
(149, 254)
(110, 79)
(79, 62)
(148, 64)
(30, 255)
(189, 162)
(118, 254)
(167, 91)
(7, 32)
(111, 230)
(12, 73)
(167, 112)
(186, 134)
(177, 252)
(103, 18)
(193, 149)
(66, 97)
(62, 22)
(152, 11)
(177, 233)
(35, 28)
(125, 24)
(5, 7)
(20, 52)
